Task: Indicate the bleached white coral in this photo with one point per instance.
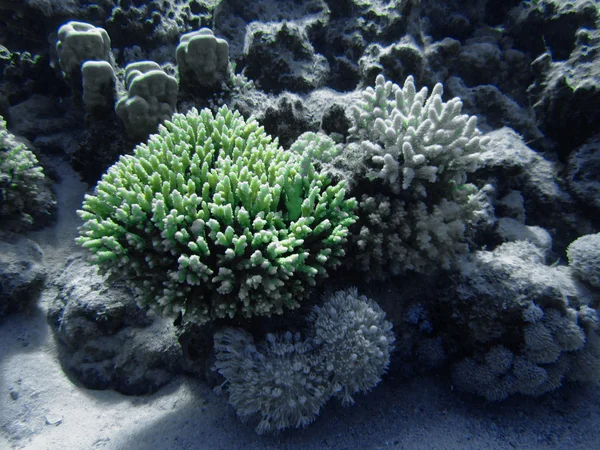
(414, 138)
(418, 150)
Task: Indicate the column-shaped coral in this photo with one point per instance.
(202, 60)
(79, 42)
(151, 98)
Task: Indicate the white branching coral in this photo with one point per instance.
(415, 154)
(287, 379)
(413, 138)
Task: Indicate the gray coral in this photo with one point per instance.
(279, 379)
(356, 339)
(287, 379)
(553, 348)
(530, 327)
(584, 258)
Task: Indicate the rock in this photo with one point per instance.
(107, 341)
(53, 419)
(286, 48)
(566, 95)
(21, 273)
(509, 164)
(583, 173)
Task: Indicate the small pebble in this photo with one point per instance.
(54, 419)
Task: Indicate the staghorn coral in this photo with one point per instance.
(25, 198)
(210, 218)
(416, 152)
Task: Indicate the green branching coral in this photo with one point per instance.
(24, 194)
(315, 148)
(210, 218)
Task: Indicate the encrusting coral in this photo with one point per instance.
(530, 327)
